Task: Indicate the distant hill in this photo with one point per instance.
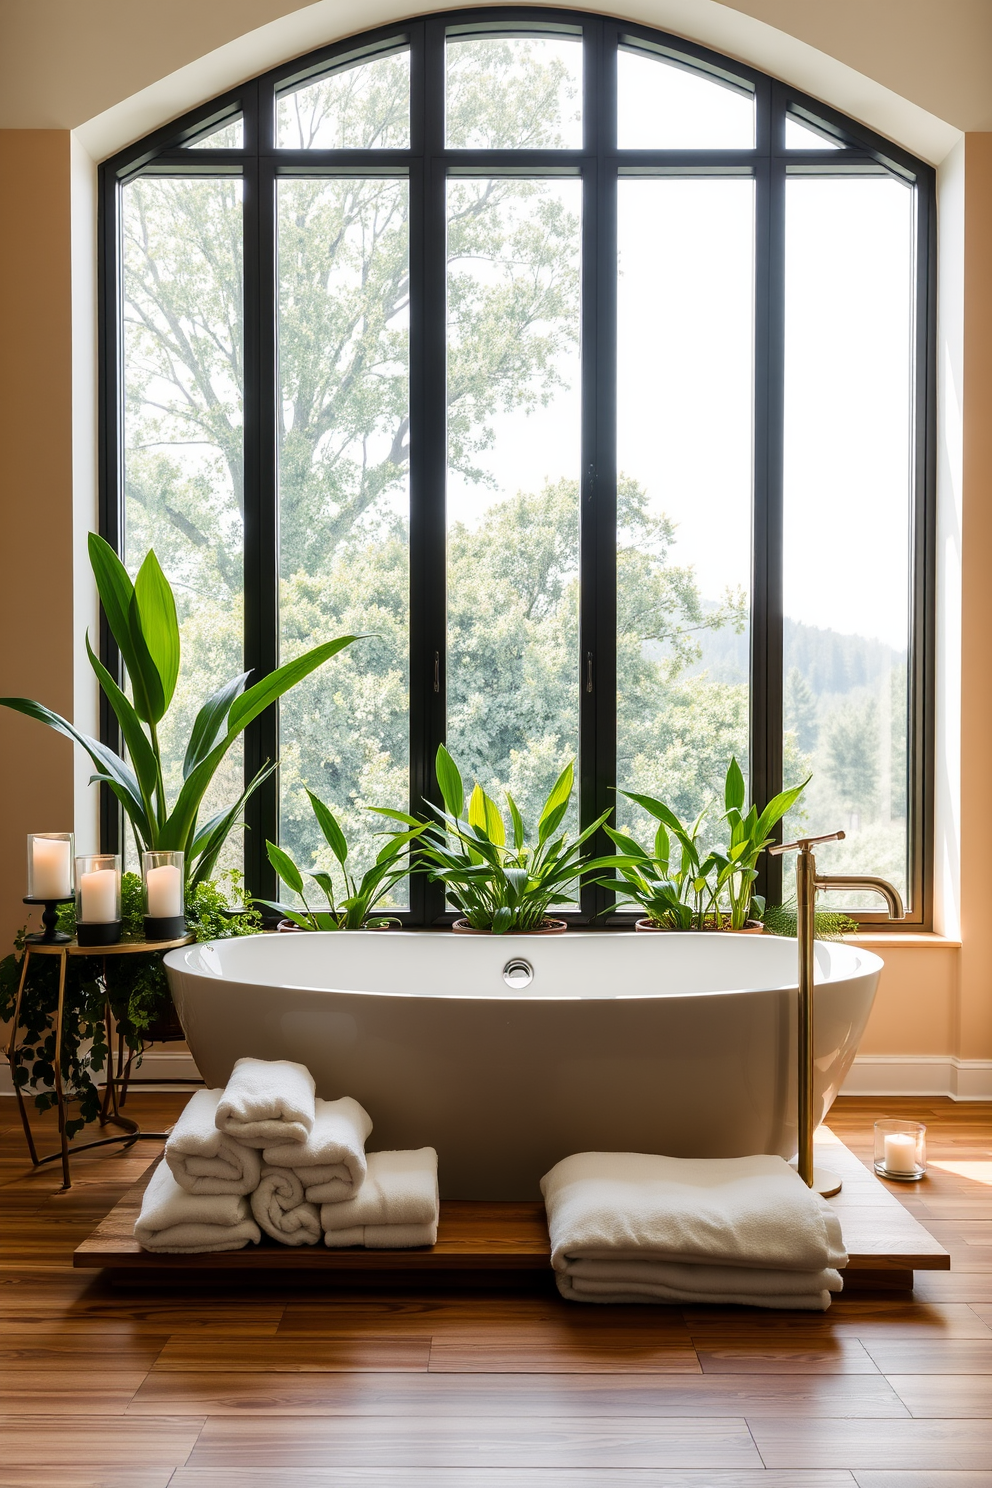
(829, 661)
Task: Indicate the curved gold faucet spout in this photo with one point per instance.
(864, 883)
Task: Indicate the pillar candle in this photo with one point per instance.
(50, 878)
(98, 896)
(900, 1152)
(165, 892)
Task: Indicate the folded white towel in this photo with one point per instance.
(281, 1209)
(204, 1160)
(177, 1222)
(675, 1282)
(396, 1206)
(741, 1211)
(331, 1162)
(267, 1102)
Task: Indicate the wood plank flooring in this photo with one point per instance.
(253, 1385)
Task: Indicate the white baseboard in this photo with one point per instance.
(872, 1074)
(920, 1074)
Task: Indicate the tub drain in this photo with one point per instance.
(518, 973)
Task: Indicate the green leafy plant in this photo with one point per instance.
(675, 892)
(354, 909)
(693, 891)
(828, 924)
(134, 987)
(750, 834)
(142, 620)
(500, 885)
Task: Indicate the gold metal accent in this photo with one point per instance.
(808, 882)
(109, 1113)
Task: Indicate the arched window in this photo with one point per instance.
(585, 371)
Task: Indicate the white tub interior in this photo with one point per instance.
(578, 965)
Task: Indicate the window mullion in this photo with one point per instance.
(597, 487)
(767, 542)
(261, 506)
(428, 439)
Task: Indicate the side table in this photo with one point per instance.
(110, 1115)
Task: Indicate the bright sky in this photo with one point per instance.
(685, 389)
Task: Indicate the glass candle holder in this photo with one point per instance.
(162, 878)
(49, 866)
(900, 1150)
(98, 899)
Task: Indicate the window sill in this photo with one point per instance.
(870, 938)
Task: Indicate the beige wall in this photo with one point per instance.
(36, 592)
(64, 61)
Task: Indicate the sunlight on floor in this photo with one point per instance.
(977, 1172)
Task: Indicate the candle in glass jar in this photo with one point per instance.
(165, 892)
(98, 896)
(900, 1152)
(50, 877)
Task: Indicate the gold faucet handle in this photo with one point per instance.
(805, 842)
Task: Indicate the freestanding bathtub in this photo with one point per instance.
(680, 1044)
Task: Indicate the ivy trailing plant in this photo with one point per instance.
(142, 619)
(136, 990)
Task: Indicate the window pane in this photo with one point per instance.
(343, 504)
(664, 106)
(801, 137)
(514, 93)
(685, 347)
(230, 136)
(183, 447)
(513, 510)
(362, 106)
(848, 429)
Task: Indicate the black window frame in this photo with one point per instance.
(600, 164)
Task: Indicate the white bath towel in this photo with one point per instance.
(280, 1208)
(753, 1212)
(267, 1102)
(675, 1282)
(331, 1162)
(396, 1206)
(204, 1160)
(177, 1222)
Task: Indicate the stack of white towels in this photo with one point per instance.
(632, 1227)
(267, 1154)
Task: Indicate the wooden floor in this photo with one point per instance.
(205, 1387)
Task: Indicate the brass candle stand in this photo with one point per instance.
(808, 882)
(110, 1114)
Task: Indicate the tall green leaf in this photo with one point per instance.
(159, 623)
(210, 721)
(146, 684)
(328, 824)
(285, 867)
(450, 781)
(734, 792)
(253, 702)
(146, 766)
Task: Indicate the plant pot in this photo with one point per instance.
(549, 927)
(753, 927)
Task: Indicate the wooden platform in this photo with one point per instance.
(885, 1243)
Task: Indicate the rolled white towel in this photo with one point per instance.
(204, 1160)
(675, 1282)
(177, 1222)
(741, 1211)
(267, 1102)
(331, 1162)
(280, 1208)
(396, 1206)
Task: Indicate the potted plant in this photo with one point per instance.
(143, 622)
(691, 891)
(502, 886)
(355, 909)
